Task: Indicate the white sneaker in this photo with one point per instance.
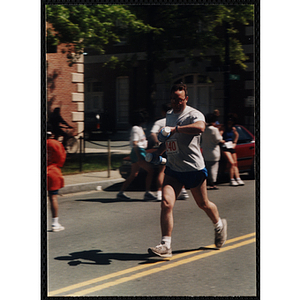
(240, 181)
(233, 183)
(149, 196)
(183, 195)
(57, 227)
(160, 250)
(221, 235)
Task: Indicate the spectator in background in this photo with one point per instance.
(217, 115)
(211, 138)
(138, 143)
(231, 136)
(56, 156)
(157, 126)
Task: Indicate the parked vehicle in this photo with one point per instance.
(245, 150)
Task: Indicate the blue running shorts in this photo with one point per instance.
(188, 179)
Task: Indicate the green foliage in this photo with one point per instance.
(191, 29)
(91, 26)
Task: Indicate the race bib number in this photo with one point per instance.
(172, 147)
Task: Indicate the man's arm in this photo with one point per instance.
(194, 128)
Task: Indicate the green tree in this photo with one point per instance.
(191, 30)
(158, 28)
(94, 26)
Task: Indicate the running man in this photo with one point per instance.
(185, 167)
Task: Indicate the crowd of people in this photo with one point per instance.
(216, 140)
(192, 149)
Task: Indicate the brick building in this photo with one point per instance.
(65, 86)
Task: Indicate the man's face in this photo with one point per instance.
(178, 101)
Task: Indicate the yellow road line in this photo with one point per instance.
(140, 267)
(159, 269)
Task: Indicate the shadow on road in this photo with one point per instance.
(137, 185)
(108, 200)
(97, 257)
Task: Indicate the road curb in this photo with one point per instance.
(84, 187)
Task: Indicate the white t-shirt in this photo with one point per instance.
(183, 150)
(211, 138)
(158, 125)
(137, 134)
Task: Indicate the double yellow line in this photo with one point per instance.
(249, 238)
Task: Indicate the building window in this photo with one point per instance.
(200, 89)
(93, 96)
(97, 86)
(122, 98)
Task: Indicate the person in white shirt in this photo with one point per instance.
(210, 140)
(156, 128)
(185, 166)
(138, 143)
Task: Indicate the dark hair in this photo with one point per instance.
(138, 117)
(232, 117)
(210, 118)
(179, 87)
(166, 107)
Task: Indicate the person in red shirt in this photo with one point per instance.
(56, 156)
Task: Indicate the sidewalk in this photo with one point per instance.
(90, 181)
(94, 180)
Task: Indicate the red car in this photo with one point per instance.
(245, 150)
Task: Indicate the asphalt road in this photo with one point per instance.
(103, 250)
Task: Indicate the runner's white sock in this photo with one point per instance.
(166, 240)
(219, 225)
(55, 221)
